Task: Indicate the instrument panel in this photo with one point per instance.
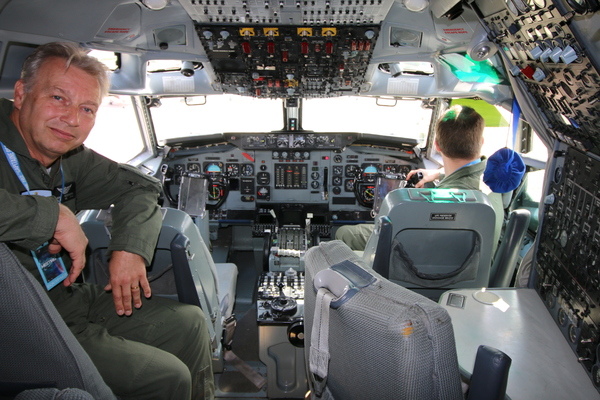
(261, 173)
(568, 276)
(541, 46)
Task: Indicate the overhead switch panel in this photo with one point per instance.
(292, 12)
(289, 61)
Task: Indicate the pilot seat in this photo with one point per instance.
(432, 240)
(367, 338)
(182, 269)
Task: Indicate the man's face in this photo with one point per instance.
(59, 111)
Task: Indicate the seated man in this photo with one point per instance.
(459, 138)
(158, 350)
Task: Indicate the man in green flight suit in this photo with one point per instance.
(459, 138)
(152, 349)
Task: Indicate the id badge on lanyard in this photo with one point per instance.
(51, 266)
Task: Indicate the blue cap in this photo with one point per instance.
(504, 171)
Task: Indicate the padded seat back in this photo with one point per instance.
(37, 347)
(182, 268)
(385, 342)
(439, 239)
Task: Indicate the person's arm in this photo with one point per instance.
(127, 281)
(27, 221)
(429, 175)
(136, 222)
(30, 221)
(69, 236)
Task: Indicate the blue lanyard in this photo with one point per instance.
(14, 163)
(472, 163)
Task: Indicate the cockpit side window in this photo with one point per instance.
(116, 134)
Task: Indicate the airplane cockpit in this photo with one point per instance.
(272, 124)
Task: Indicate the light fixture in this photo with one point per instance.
(416, 5)
(155, 5)
(187, 68)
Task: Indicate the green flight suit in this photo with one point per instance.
(163, 348)
(468, 178)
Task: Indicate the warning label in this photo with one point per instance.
(117, 30)
(442, 217)
(455, 31)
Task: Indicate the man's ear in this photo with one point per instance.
(19, 94)
(437, 146)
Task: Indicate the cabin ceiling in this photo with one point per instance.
(259, 48)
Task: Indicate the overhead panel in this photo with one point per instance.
(540, 46)
(293, 12)
(289, 48)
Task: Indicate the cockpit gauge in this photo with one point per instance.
(283, 141)
(338, 158)
(233, 170)
(310, 140)
(322, 139)
(405, 169)
(179, 168)
(368, 193)
(247, 170)
(253, 140)
(390, 168)
(337, 181)
(351, 170)
(370, 173)
(338, 170)
(194, 167)
(299, 141)
(349, 185)
(271, 140)
(213, 167)
(215, 191)
(263, 178)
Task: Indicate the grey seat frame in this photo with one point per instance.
(38, 349)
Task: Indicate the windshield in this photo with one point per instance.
(172, 117)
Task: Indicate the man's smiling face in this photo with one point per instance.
(57, 114)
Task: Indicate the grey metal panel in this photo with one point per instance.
(543, 364)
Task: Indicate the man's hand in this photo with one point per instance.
(429, 175)
(127, 280)
(69, 236)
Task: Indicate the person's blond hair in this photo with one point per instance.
(73, 54)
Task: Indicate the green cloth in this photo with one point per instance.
(95, 182)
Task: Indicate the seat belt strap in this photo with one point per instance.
(319, 341)
(245, 369)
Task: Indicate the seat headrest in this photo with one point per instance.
(504, 171)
